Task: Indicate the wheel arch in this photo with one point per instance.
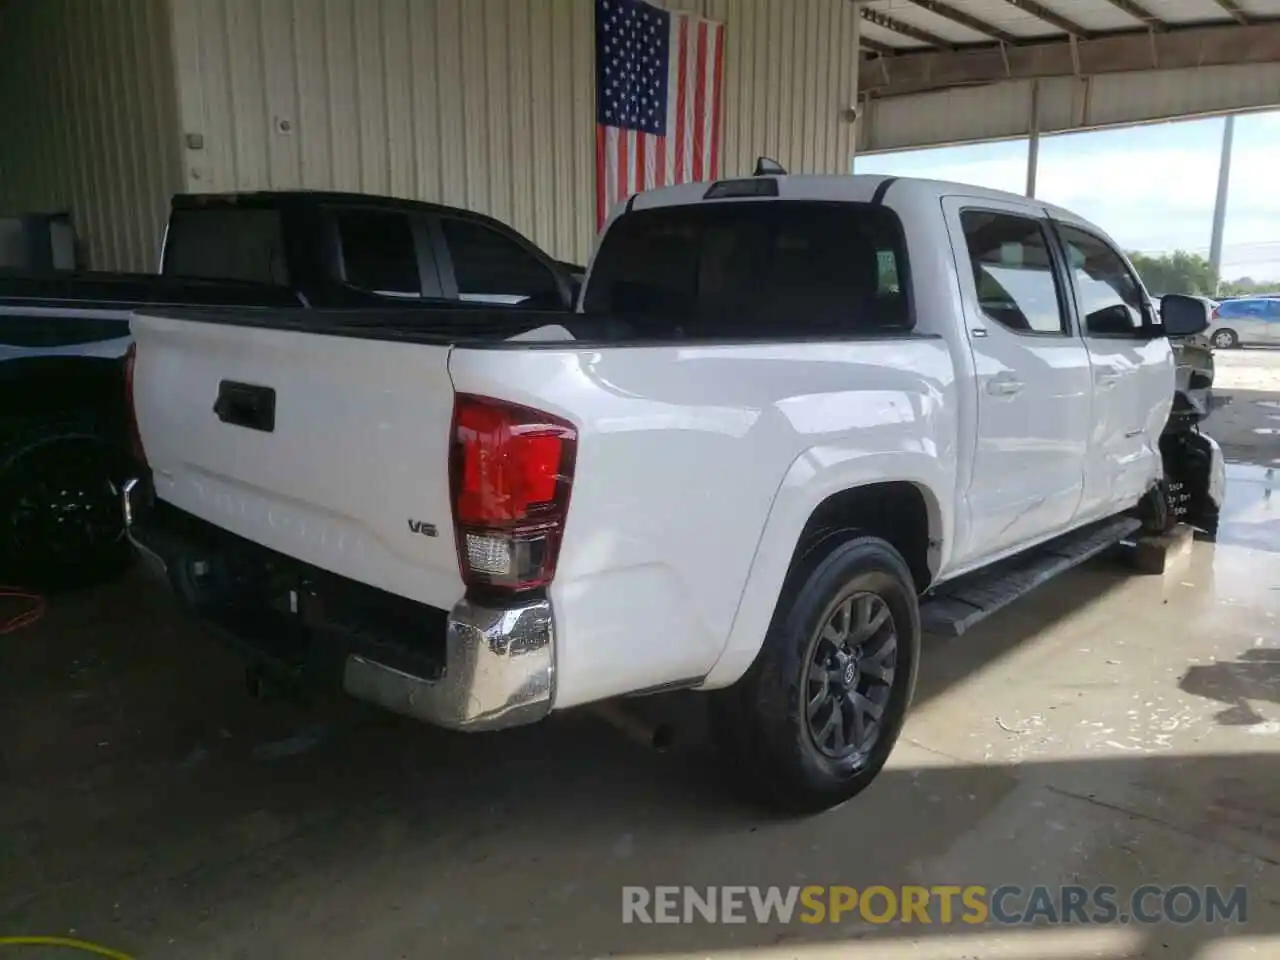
(894, 496)
(55, 386)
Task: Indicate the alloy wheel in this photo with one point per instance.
(849, 676)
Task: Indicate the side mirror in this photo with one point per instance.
(1183, 316)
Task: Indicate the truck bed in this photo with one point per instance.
(126, 291)
(333, 448)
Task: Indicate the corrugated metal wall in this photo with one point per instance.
(790, 73)
(483, 103)
(88, 121)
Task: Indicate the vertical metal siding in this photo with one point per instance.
(89, 122)
(790, 75)
(483, 103)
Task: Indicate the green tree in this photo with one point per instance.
(1177, 272)
(1247, 285)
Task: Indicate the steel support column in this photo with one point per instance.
(1033, 142)
(1220, 204)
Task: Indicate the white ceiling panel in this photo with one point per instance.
(880, 35)
(1098, 16)
(1094, 16)
(916, 16)
(1006, 16)
(1190, 11)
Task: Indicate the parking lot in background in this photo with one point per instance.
(1249, 426)
(1109, 729)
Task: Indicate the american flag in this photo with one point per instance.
(658, 89)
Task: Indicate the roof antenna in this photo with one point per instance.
(768, 168)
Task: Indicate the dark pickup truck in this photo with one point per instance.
(64, 445)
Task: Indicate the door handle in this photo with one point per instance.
(1004, 387)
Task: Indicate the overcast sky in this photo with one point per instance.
(1150, 187)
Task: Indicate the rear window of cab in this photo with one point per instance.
(750, 269)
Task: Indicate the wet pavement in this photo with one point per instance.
(1110, 729)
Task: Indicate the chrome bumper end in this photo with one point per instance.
(499, 671)
(135, 497)
(499, 668)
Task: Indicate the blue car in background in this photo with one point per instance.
(1245, 320)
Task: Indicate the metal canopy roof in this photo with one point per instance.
(903, 26)
(914, 46)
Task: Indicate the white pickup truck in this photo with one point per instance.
(794, 421)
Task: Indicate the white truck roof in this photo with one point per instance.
(908, 196)
(850, 188)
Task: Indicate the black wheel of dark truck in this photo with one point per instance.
(816, 716)
(61, 523)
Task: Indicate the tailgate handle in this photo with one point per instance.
(246, 405)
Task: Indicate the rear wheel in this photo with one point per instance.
(816, 716)
(61, 523)
(1226, 339)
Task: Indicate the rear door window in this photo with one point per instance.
(379, 254)
(750, 269)
(491, 267)
(1013, 272)
(226, 243)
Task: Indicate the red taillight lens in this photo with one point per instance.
(511, 469)
(1214, 313)
(135, 437)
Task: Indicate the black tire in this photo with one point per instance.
(60, 518)
(1225, 339)
(765, 721)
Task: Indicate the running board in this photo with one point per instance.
(959, 604)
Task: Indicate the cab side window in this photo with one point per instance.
(1112, 301)
(492, 268)
(378, 252)
(1013, 272)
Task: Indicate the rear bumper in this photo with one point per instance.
(494, 666)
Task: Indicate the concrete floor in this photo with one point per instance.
(1109, 729)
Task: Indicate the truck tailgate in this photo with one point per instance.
(333, 450)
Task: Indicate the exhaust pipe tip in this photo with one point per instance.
(657, 735)
(255, 684)
(664, 737)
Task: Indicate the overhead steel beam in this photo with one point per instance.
(965, 20)
(875, 46)
(1139, 12)
(906, 29)
(1199, 46)
(1233, 8)
(1050, 17)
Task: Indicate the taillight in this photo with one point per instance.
(510, 469)
(135, 436)
(1214, 313)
